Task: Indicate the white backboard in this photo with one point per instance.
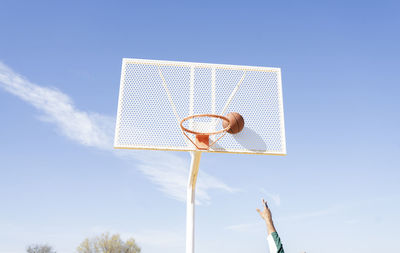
(156, 95)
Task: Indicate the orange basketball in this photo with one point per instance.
(236, 120)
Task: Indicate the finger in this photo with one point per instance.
(258, 210)
(265, 203)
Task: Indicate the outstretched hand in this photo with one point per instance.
(267, 216)
(266, 213)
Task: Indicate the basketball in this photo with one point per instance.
(236, 120)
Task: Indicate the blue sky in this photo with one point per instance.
(336, 191)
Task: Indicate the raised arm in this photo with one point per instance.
(267, 216)
(274, 242)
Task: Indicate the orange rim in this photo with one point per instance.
(203, 142)
(206, 115)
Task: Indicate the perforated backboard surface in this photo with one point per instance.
(156, 95)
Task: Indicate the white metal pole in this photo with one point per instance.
(190, 201)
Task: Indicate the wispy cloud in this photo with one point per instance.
(274, 196)
(90, 129)
(165, 169)
(336, 209)
(314, 214)
(170, 173)
(246, 227)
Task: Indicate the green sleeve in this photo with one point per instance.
(278, 242)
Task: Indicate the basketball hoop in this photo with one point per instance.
(161, 93)
(202, 138)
